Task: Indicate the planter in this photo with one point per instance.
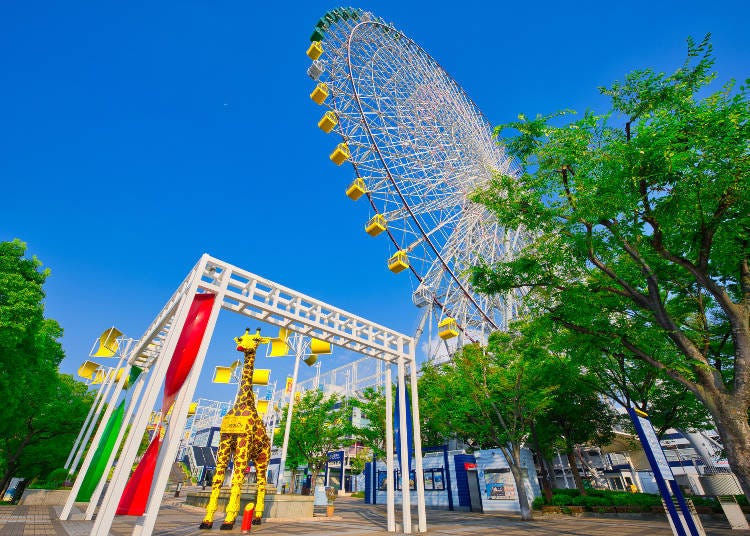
(576, 510)
(329, 510)
(551, 510)
(627, 509)
(604, 509)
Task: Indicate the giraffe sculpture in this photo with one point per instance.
(242, 434)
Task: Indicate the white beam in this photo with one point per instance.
(176, 427)
(390, 494)
(404, 447)
(180, 303)
(418, 469)
(111, 403)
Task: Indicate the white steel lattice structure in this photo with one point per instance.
(242, 292)
(419, 148)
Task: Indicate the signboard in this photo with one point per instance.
(234, 424)
(500, 485)
(336, 456)
(288, 384)
(682, 522)
(652, 444)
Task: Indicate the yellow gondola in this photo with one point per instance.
(315, 50)
(340, 155)
(327, 122)
(261, 376)
(447, 328)
(356, 189)
(320, 93)
(87, 369)
(376, 225)
(399, 262)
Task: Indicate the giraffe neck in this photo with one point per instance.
(246, 398)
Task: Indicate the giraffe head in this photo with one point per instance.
(249, 343)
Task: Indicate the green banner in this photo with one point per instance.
(99, 462)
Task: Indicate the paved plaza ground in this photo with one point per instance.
(353, 518)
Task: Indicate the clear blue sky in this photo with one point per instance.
(135, 137)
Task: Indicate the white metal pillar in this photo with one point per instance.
(176, 426)
(404, 446)
(137, 388)
(419, 472)
(109, 380)
(104, 519)
(389, 466)
(290, 408)
(111, 403)
(89, 418)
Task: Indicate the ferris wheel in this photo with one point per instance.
(419, 147)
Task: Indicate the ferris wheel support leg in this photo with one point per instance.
(390, 484)
(404, 444)
(418, 470)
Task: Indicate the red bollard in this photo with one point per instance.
(247, 518)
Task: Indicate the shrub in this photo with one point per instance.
(55, 480)
(358, 495)
(537, 503)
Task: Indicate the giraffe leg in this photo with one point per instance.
(240, 463)
(222, 459)
(261, 467)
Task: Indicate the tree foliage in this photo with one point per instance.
(42, 409)
(488, 398)
(319, 425)
(639, 226)
(371, 433)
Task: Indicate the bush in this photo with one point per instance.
(598, 499)
(358, 495)
(537, 503)
(55, 480)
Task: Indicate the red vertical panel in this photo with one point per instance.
(134, 498)
(187, 347)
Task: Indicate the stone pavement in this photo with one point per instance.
(353, 518)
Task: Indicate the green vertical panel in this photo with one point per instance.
(101, 456)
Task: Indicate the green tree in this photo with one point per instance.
(488, 398)
(371, 433)
(42, 410)
(629, 381)
(319, 425)
(577, 415)
(640, 232)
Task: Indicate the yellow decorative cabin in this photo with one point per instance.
(447, 328)
(376, 225)
(356, 189)
(315, 50)
(340, 155)
(327, 122)
(399, 262)
(320, 93)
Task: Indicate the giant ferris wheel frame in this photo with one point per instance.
(243, 292)
(420, 147)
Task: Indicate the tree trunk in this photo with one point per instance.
(731, 419)
(574, 469)
(518, 475)
(546, 479)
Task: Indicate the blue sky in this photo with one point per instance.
(135, 137)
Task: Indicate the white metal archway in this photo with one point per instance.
(245, 293)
